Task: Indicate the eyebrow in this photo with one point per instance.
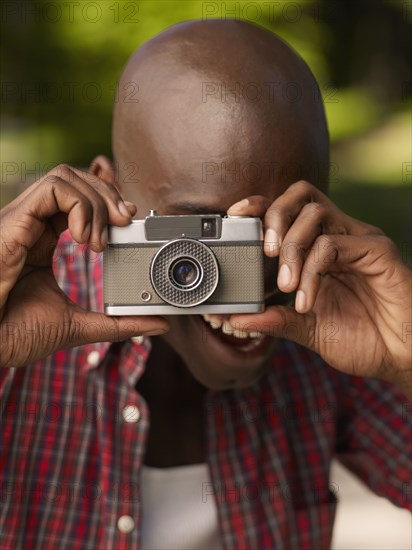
(194, 208)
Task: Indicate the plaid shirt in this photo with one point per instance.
(70, 463)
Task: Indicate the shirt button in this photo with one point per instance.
(131, 413)
(125, 524)
(93, 358)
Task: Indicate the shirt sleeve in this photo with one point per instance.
(374, 437)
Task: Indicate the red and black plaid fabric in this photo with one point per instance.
(70, 465)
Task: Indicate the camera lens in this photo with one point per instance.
(184, 272)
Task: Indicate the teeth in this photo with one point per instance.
(226, 327)
(214, 322)
(240, 334)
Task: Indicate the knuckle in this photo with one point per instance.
(325, 241)
(62, 170)
(387, 244)
(315, 210)
(310, 269)
(324, 251)
(272, 214)
(51, 177)
(58, 173)
(48, 185)
(292, 252)
(302, 186)
(108, 189)
(88, 177)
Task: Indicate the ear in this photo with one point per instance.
(102, 167)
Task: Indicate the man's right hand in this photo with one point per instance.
(30, 299)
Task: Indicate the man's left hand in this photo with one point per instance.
(353, 290)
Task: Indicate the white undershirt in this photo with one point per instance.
(179, 510)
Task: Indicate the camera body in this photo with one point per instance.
(191, 264)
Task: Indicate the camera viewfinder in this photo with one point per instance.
(209, 228)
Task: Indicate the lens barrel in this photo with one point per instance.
(184, 272)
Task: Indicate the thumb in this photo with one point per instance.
(255, 205)
(87, 327)
(280, 322)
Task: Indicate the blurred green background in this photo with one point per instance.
(60, 62)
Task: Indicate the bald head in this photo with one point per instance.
(219, 103)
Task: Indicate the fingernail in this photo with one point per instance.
(123, 210)
(284, 276)
(244, 203)
(272, 241)
(157, 332)
(137, 339)
(300, 301)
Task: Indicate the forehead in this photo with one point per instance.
(209, 154)
(188, 145)
(195, 180)
(204, 185)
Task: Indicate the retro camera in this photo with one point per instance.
(176, 265)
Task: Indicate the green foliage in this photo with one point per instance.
(61, 61)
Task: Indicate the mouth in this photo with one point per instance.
(231, 344)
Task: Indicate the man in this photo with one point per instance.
(265, 414)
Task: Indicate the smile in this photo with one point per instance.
(230, 343)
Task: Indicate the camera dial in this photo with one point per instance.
(184, 272)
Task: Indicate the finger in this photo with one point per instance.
(279, 322)
(104, 200)
(88, 327)
(255, 205)
(24, 221)
(284, 210)
(107, 205)
(332, 253)
(104, 169)
(97, 228)
(23, 225)
(298, 241)
(132, 208)
(110, 193)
